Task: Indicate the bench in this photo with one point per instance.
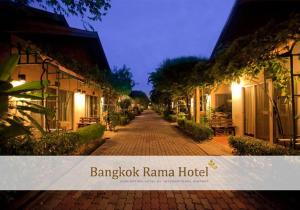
(221, 122)
(85, 121)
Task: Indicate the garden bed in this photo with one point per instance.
(245, 145)
(196, 131)
(56, 143)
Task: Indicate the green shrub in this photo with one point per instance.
(130, 115)
(180, 122)
(113, 118)
(245, 145)
(197, 131)
(22, 145)
(121, 118)
(49, 144)
(171, 118)
(90, 133)
(137, 110)
(57, 144)
(181, 115)
(125, 104)
(124, 120)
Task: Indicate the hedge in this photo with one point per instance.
(197, 131)
(171, 118)
(245, 145)
(121, 118)
(62, 143)
(90, 133)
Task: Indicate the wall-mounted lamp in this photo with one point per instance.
(236, 88)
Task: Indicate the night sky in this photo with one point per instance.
(142, 33)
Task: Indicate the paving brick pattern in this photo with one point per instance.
(150, 135)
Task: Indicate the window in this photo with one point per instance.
(223, 102)
(256, 111)
(62, 103)
(65, 106)
(92, 106)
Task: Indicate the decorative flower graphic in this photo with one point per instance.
(212, 164)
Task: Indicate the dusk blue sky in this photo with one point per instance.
(142, 33)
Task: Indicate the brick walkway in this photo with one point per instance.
(150, 135)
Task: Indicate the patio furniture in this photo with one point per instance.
(222, 122)
(85, 121)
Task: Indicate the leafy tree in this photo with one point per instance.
(259, 51)
(93, 10)
(125, 104)
(176, 78)
(121, 80)
(13, 117)
(161, 99)
(140, 97)
(266, 51)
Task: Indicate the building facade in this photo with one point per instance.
(51, 50)
(256, 107)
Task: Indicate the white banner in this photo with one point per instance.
(149, 173)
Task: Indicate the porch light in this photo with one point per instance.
(236, 89)
(79, 100)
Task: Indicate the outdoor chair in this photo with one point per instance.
(222, 122)
(85, 121)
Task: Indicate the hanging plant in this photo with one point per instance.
(249, 55)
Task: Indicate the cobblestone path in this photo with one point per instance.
(148, 134)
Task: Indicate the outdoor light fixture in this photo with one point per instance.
(236, 89)
(79, 102)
